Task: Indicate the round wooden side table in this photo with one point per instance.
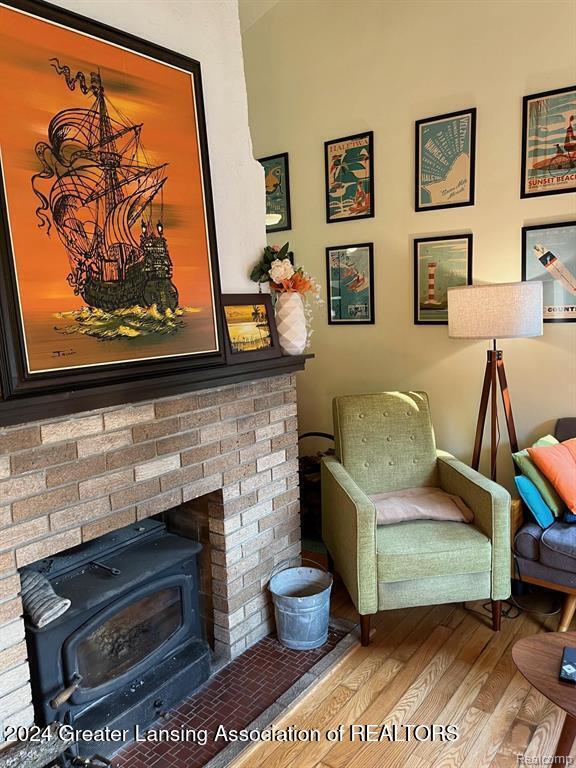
(538, 658)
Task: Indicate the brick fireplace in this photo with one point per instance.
(228, 455)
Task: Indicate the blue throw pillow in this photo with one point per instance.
(569, 517)
(534, 501)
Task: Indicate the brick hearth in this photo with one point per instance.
(68, 480)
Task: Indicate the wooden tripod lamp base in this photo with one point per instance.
(495, 311)
(494, 377)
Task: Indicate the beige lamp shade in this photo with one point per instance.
(495, 311)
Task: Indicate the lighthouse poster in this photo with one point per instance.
(549, 143)
(445, 160)
(439, 263)
(110, 248)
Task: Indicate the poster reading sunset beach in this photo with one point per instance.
(104, 194)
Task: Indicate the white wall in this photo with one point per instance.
(320, 70)
(209, 31)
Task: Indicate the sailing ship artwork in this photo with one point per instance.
(105, 196)
(439, 264)
(549, 143)
(445, 160)
(349, 169)
(350, 284)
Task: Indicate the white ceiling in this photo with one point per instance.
(252, 10)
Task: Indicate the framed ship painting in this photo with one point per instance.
(349, 171)
(108, 252)
(549, 143)
(350, 279)
(439, 263)
(250, 327)
(549, 255)
(277, 181)
(445, 160)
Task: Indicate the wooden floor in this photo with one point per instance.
(440, 664)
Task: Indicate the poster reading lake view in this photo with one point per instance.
(445, 149)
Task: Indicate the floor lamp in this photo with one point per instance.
(496, 311)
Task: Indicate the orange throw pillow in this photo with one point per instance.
(558, 463)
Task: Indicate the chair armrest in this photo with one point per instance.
(349, 532)
(490, 503)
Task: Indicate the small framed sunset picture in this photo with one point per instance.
(250, 328)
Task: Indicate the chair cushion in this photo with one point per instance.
(558, 463)
(558, 547)
(527, 541)
(420, 548)
(420, 504)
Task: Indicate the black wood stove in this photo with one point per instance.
(131, 645)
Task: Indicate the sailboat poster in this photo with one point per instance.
(445, 160)
(549, 143)
(107, 205)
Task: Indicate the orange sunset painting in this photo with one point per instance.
(104, 195)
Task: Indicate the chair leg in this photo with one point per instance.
(496, 614)
(365, 629)
(567, 613)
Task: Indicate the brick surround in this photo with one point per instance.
(68, 480)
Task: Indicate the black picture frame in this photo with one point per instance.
(283, 156)
(354, 137)
(469, 262)
(538, 227)
(418, 207)
(246, 300)
(362, 321)
(15, 380)
(525, 104)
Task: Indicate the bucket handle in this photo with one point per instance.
(278, 568)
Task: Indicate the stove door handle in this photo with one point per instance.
(63, 696)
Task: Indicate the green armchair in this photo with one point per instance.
(385, 442)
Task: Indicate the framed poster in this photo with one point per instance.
(549, 255)
(250, 327)
(349, 174)
(445, 160)
(350, 280)
(108, 264)
(548, 143)
(277, 180)
(439, 263)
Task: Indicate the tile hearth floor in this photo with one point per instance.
(233, 697)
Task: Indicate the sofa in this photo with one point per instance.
(548, 557)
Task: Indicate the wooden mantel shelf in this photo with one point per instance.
(35, 407)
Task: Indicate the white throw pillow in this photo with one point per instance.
(420, 504)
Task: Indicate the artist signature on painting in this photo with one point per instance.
(63, 352)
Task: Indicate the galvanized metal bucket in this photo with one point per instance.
(301, 599)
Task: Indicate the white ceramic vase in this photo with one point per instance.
(291, 322)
